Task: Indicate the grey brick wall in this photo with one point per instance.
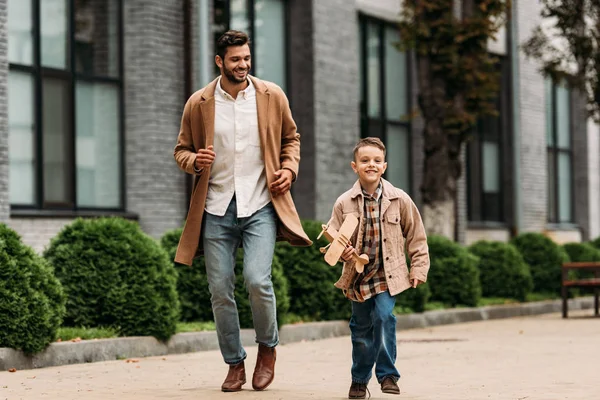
(581, 182)
(532, 128)
(37, 232)
(154, 98)
(336, 93)
(4, 193)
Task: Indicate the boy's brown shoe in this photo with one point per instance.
(358, 391)
(389, 386)
(264, 372)
(236, 377)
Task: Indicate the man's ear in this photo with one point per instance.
(219, 61)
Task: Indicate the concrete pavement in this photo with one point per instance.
(530, 358)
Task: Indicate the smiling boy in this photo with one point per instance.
(389, 223)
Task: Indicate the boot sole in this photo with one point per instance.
(233, 390)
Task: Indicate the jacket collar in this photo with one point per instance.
(209, 91)
(387, 192)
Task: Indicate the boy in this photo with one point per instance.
(388, 220)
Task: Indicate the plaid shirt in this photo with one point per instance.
(372, 280)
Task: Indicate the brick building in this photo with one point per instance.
(91, 94)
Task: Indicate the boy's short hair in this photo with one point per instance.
(369, 141)
(231, 38)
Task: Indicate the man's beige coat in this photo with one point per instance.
(280, 146)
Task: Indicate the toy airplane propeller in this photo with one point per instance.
(338, 242)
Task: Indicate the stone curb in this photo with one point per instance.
(87, 351)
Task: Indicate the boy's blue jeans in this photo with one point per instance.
(221, 237)
(373, 330)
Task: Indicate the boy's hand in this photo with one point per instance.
(347, 254)
(415, 282)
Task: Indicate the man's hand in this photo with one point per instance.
(283, 183)
(415, 282)
(347, 254)
(205, 157)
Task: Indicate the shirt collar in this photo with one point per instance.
(249, 90)
(377, 195)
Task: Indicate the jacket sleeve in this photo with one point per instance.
(290, 139)
(185, 153)
(416, 240)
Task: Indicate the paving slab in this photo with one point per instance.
(537, 357)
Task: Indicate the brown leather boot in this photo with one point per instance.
(389, 385)
(358, 391)
(264, 372)
(236, 377)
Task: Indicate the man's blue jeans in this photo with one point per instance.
(221, 237)
(373, 332)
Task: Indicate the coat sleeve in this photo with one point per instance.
(185, 153)
(290, 139)
(416, 239)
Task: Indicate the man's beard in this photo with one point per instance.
(232, 78)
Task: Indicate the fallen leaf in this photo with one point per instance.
(77, 339)
(132, 360)
(59, 340)
(12, 370)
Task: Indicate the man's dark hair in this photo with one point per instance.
(231, 38)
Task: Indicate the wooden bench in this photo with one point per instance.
(580, 283)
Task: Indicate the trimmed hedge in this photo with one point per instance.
(579, 252)
(596, 243)
(415, 299)
(194, 296)
(32, 301)
(454, 276)
(503, 272)
(116, 276)
(544, 258)
(311, 279)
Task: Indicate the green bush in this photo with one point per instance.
(502, 270)
(596, 243)
(454, 276)
(415, 299)
(544, 258)
(192, 286)
(311, 279)
(579, 252)
(32, 301)
(115, 276)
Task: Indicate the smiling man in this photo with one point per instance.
(239, 139)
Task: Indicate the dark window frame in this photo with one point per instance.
(382, 121)
(553, 151)
(70, 76)
(251, 16)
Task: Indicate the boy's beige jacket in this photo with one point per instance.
(401, 230)
(280, 146)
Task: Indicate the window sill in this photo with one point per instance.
(566, 226)
(29, 213)
(486, 225)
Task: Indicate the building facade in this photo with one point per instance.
(91, 95)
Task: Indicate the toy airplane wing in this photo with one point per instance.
(340, 239)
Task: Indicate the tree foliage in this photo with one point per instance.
(567, 45)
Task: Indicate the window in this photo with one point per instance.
(65, 104)
(486, 161)
(560, 153)
(384, 96)
(265, 23)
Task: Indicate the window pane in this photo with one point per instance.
(57, 142)
(20, 36)
(53, 29)
(269, 41)
(563, 119)
(238, 10)
(397, 156)
(396, 90)
(564, 187)
(551, 187)
(373, 91)
(97, 37)
(549, 112)
(491, 167)
(21, 138)
(98, 145)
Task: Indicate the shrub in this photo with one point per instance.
(545, 259)
(596, 243)
(115, 276)
(502, 270)
(311, 279)
(454, 276)
(415, 299)
(579, 252)
(32, 301)
(192, 286)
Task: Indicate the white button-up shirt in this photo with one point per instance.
(238, 167)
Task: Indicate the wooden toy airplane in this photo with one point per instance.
(338, 242)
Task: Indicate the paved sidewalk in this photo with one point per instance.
(530, 358)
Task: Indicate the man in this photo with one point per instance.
(239, 140)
